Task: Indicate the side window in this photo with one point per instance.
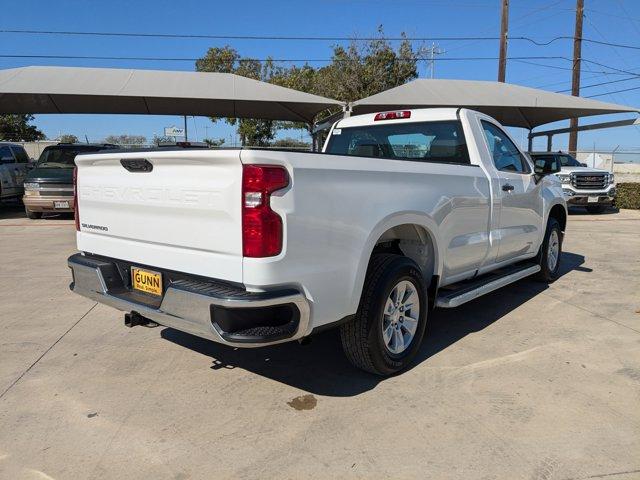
(506, 156)
(20, 154)
(5, 155)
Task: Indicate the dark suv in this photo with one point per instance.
(49, 186)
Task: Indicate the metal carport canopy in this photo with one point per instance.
(511, 105)
(152, 92)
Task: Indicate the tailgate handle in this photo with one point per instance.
(137, 164)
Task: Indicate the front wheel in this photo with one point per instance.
(387, 330)
(550, 252)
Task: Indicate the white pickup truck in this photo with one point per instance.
(401, 212)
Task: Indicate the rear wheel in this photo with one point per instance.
(387, 330)
(596, 208)
(550, 252)
(33, 215)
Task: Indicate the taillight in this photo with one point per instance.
(261, 226)
(76, 211)
(392, 115)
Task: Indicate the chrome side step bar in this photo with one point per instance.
(454, 297)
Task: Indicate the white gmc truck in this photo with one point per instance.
(403, 211)
(582, 186)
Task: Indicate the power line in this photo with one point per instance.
(563, 82)
(523, 59)
(301, 38)
(582, 87)
(615, 91)
(187, 59)
(557, 67)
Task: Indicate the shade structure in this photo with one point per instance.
(154, 92)
(511, 105)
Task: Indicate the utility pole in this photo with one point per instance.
(504, 33)
(432, 51)
(575, 78)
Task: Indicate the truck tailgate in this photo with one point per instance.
(184, 214)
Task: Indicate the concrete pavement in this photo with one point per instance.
(530, 382)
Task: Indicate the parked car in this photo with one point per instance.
(14, 163)
(49, 186)
(403, 211)
(582, 186)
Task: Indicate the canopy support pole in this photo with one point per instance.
(185, 129)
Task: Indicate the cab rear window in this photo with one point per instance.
(441, 142)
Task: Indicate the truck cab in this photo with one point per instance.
(582, 186)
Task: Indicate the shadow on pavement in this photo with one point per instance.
(11, 209)
(583, 211)
(321, 368)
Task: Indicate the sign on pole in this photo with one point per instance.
(173, 132)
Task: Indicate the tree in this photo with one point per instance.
(213, 142)
(158, 139)
(16, 128)
(258, 132)
(357, 70)
(126, 139)
(68, 138)
(289, 142)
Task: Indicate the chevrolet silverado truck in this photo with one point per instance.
(49, 186)
(582, 186)
(402, 211)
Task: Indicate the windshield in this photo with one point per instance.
(565, 160)
(62, 157)
(419, 141)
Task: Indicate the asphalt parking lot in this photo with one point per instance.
(529, 382)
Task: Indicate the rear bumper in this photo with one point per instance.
(210, 309)
(37, 203)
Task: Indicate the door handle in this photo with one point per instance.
(507, 188)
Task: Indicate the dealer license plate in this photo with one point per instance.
(62, 204)
(592, 199)
(146, 281)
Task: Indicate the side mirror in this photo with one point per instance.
(583, 164)
(545, 166)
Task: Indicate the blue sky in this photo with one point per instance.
(616, 21)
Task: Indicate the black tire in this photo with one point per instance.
(546, 274)
(33, 215)
(595, 208)
(362, 339)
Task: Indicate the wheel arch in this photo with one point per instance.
(415, 233)
(559, 212)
